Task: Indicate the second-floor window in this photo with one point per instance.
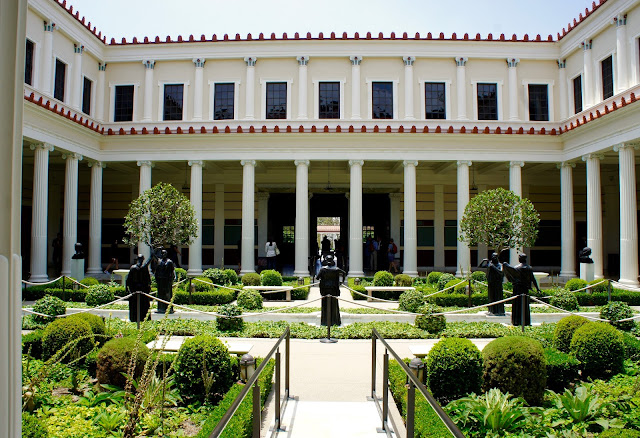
(123, 105)
(59, 80)
(276, 100)
(86, 96)
(577, 94)
(28, 63)
(223, 101)
(487, 101)
(538, 102)
(173, 98)
(607, 77)
(329, 100)
(382, 100)
(434, 99)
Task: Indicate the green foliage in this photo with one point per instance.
(562, 369)
(114, 361)
(584, 408)
(433, 277)
(32, 427)
(250, 300)
(631, 346)
(600, 348)
(68, 282)
(232, 276)
(410, 301)
(48, 305)
(161, 216)
(575, 284)
(516, 364)
(565, 328)
(217, 276)
(32, 344)
(250, 279)
(203, 358)
(231, 322)
(181, 274)
(428, 321)
(619, 433)
(98, 295)
(615, 311)
(202, 284)
(500, 219)
(403, 280)
(564, 299)
(454, 369)
(383, 278)
(457, 285)
(600, 299)
(71, 333)
(601, 286)
(89, 281)
(444, 279)
(95, 322)
(210, 298)
(458, 299)
(269, 277)
(479, 276)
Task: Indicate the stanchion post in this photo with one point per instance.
(524, 303)
(138, 310)
(277, 398)
(286, 365)
(64, 292)
(373, 365)
(469, 291)
(411, 408)
(256, 410)
(385, 390)
(609, 291)
(191, 288)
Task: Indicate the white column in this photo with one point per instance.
(149, 64)
(198, 84)
(46, 76)
(250, 89)
(302, 219)
(562, 84)
(410, 266)
(483, 249)
(100, 90)
(461, 87)
(76, 77)
(195, 249)
(263, 221)
(302, 87)
(464, 254)
(145, 184)
(588, 84)
(512, 64)
(355, 219)
(438, 227)
(39, 210)
(594, 212)
(628, 215)
(70, 220)
(567, 221)
(408, 88)
(248, 215)
(355, 88)
(622, 78)
(218, 230)
(515, 185)
(95, 219)
(394, 220)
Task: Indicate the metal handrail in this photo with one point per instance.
(253, 382)
(413, 384)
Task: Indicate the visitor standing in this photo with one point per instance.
(272, 251)
(373, 257)
(114, 257)
(392, 249)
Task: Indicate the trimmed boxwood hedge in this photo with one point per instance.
(34, 293)
(562, 369)
(600, 348)
(454, 369)
(459, 300)
(215, 297)
(32, 343)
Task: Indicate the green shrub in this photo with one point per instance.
(428, 321)
(631, 346)
(479, 276)
(48, 305)
(575, 284)
(217, 276)
(403, 280)
(210, 298)
(32, 344)
(181, 274)
(516, 364)
(601, 298)
(95, 322)
(619, 433)
(600, 348)
(69, 282)
(74, 333)
(250, 279)
(300, 293)
(269, 277)
(32, 427)
(232, 276)
(89, 281)
(250, 299)
(383, 278)
(98, 295)
(454, 369)
(616, 310)
(565, 328)
(562, 369)
(410, 301)
(457, 286)
(433, 277)
(231, 322)
(564, 299)
(600, 288)
(203, 356)
(444, 279)
(458, 299)
(114, 358)
(202, 284)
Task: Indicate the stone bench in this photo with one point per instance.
(371, 289)
(175, 342)
(286, 289)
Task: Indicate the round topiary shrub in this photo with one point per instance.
(232, 276)
(564, 299)
(74, 333)
(410, 301)
(217, 276)
(479, 276)
(615, 311)
(203, 356)
(600, 348)
(32, 427)
(403, 280)
(114, 361)
(48, 305)
(250, 279)
(202, 284)
(230, 322)
(250, 299)
(600, 288)
(454, 369)
(95, 322)
(444, 279)
(575, 284)
(383, 278)
(89, 281)
(428, 321)
(269, 277)
(433, 277)
(631, 346)
(457, 286)
(565, 328)
(98, 295)
(516, 364)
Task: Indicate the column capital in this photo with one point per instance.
(619, 147)
(99, 164)
(46, 146)
(250, 60)
(196, 163)
(248, 163)
(565, 164)
(145, 163)
(199, 62)
(355, 59)
(263, 196)
(356, 163)
(408, 60)
(463, 163)
(562, 63)
(102, 66)
(149, 64)
(72, 156)
(512, 62)
(516, 163)
(78, 48)
(590, 156)
(586, 45)
(461, 61)
(619, 20)
(49, 26)
(300, 162)
(407, 163)
(302, 60)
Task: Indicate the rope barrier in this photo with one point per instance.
(77, 282)
(74, 313)
(589, 286)
(41, 284)
(367, 296)
(567, 311)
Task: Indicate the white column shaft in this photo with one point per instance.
(622, 78)
(302, 219)
(567, 223)
(70, 220)
(588, 82)
(100, 90)
(515, 185)
(248, 217)
(76, 80)
(594, 214)
(564, 96)
(46, 81)
(39, 211)
(438, 228)
(145, 184)
(355, 92)
(218, 236)
(195, 249)
(408, 92)
(628, 218)
(355, 220)
(263, 222)
(461, 92)
(198, 84)
(513, 93)
(483, 249)
(250, 93)
(302, 92)
(95, 220)
(148, 94)
(410, 225)
(464, 254)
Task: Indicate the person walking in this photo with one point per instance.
(392, 249)
(271, 250)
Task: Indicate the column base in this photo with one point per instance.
(304, 273)
(39, 278)
(194, 272)
(628, 282)
(95, 271)
(247, 271)
(410, 273)
(355, 274)
(567, 274)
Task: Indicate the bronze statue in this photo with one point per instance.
(522, 278)
(495, 276)
(585, 255)
(139, 280)
(329, 277)
(165, 274)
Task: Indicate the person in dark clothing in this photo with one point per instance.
(522, 278)
(495, 276)
(165, 274)
(114, 257)
(139, 280)
(57, 253)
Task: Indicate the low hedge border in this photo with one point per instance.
(218, 296)
(34, 293)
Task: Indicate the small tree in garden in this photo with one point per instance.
(159, 217)
(500, 219)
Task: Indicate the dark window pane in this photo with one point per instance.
(61, 72)
(86, 96)
(276, 100)
(123, 111)
(538, 102)
(329, 100)
(223, 101)
(487, 102)
(607, 78)
(382, 100)
(173, 101)
(577, 94)
(434, 100)
(28, 63)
